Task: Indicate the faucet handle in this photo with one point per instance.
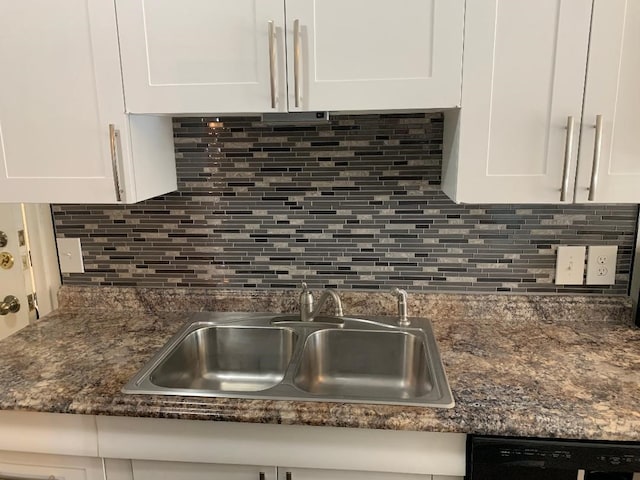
(304, 287)
(401, 295)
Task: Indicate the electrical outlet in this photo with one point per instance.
(570, 265)
(601, 265)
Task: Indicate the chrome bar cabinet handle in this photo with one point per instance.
(595, 172)
(568, 153)
(296, 61)
(272, 62)
(114, 138)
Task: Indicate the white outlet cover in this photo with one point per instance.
(70, 255)
(570, 265)
(601, 265)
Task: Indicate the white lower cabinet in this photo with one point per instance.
(83, 447)
(153, 470)
(158, 470)
(322, 474)
(31, 466)
(117, 469)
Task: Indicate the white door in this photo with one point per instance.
(365, 55)
(524, 69)
(285, 473)
(60, 88)
(15, 275)
(195, 56)
(612, 91)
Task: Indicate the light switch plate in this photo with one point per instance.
(570, 265)
(601, 265)
(70, 255)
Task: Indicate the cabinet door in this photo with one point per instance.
(194, 56)
(524, 69)
(60, 88)
(364, 55)
(29, 466)
(152, 470)
(613, 91)
(320, 474)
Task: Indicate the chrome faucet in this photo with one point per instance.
(401, 295)
(307, 312)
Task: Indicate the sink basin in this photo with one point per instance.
(271, 356)
(368, 364)
(244, 359)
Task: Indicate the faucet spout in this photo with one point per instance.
(308, 314)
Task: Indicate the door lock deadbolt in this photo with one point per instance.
(6, 260)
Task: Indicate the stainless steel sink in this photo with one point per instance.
(365, 364)
(270, 356)
(227, 358)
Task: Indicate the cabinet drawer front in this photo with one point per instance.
(153, 470)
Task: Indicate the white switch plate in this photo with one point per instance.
(601, 265)
(70, 255)
(570, 265)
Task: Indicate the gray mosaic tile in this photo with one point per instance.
(353, 204)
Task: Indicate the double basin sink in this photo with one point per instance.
(262, 355)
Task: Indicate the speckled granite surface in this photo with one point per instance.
(568, 374)
(432, 306)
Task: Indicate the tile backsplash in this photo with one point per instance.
(355, 204)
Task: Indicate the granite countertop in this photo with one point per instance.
(566, 367)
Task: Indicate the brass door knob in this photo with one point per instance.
(10, 305)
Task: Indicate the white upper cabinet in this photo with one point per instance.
(203, 55)
(613, 92)
(64, 136)
(524, 68)
(364, 54)
(243, 56)
(526, 132)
